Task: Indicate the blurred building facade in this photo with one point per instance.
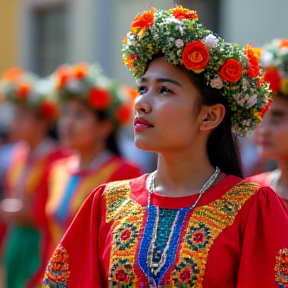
(38, 35)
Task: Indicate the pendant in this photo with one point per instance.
(152, 283)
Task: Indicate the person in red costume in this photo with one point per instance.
(94, 108)
(194, 222)
(31, 158)
(272, 134)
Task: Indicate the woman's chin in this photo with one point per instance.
(145, 144)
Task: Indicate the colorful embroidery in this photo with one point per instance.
(57, 272)
(127, 216)
(193, 235)
(281, 268)
(204, 226)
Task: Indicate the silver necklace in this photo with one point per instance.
(156, 267)
(206, 186)
(274, 178)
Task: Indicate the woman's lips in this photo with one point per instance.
(140, 124)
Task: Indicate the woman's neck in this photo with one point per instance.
(86, 156)
(182, 174)
(282, 185)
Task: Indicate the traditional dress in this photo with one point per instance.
(268, 179)
(235, 237)
(69, 187)
(23, 244)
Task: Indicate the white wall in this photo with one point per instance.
(255, 21)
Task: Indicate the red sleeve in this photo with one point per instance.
(265, 236)
(77, 256)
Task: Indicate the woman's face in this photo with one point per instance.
(79, 128)
(272, 133)
(24, 124)
(167, 109)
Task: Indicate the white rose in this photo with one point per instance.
(216, 82)
(210, 41)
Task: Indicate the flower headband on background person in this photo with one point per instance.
(177, 35)
(87, 83)
(19, 87)
(274, 60)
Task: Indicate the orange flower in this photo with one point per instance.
(253, 67)
(283, 43)
(182, 13)
(195, 56)
(80, 71)
(12, 74)
(23, 90)
(231, 71)
(129, 60)
(124, 113)
(48, 110)
(143, 21)
(99, 98)
(133, 93)
(63, 74)
(125, 40)
(273, 77)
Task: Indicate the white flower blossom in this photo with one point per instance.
(216, 82)
(179, 43)
(210, 41)
(241, 102)
(266, 59)
(252, 101)
(73, 85)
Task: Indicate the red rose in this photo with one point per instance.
(99, 98)
(231, 71)
(253, 71)
(124, 113)
(273, 77)
(23, 90)
(49, 110)
(195, 56)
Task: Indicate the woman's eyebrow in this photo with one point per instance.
(161, 80)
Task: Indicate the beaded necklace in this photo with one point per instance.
(155, 267)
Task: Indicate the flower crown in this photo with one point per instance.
(87, 83)
(20, 87)
(274, 60)
(177, 35)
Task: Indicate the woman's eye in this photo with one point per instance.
(142, 90)
(164, 90)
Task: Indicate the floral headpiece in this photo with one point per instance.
(177, 35)
(19, 87)
(274, 60)
(87, 83)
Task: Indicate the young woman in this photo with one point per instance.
(272, 134)
(94, 108)
(31, 158)
(193, 222)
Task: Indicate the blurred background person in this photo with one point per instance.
(34, 114)
(272, 134)
(93, 110)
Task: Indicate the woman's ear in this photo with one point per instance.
(212, 116)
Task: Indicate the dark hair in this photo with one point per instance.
(222, 145)
(111, 141)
